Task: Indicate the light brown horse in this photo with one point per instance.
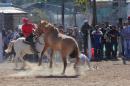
(57, 41)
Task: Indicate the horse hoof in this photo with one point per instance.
(77, 75)
(63, 73)
(22, 68)
(39, 64)
(15, 69)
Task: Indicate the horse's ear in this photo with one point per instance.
(42, 21)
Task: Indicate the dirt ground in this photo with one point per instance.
(104, 73)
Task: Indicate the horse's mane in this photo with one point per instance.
(49, 26)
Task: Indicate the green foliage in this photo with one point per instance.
(82, 5)
(37, 14)
(82, 2)
(78, 2)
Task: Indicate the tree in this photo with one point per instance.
(94, 22)
(88, 3)
(62, 12)
(37, 14)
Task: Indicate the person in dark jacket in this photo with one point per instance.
(84, 29)
(114, 36)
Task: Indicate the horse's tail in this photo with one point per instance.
(10, 47)
(75, 52)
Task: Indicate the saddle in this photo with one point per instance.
(27, 42)
(32, 46)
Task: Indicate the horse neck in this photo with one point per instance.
(53, 30)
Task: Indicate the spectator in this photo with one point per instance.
(78, 37)
(107, 43)
(125, 33)
(61, 29)
(114, 37)
(15, 35)
(103, 42)
(125, 25)
(84, 29)
(6, 41)
(97, 38)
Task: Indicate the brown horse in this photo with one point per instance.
(58, 42)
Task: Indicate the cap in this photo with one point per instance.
(25, 20)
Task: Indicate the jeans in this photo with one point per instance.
(114, 51)
(127, 48)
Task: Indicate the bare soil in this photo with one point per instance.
(104, 73)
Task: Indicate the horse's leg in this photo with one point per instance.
(64, 63)
(76, 65)
(88, 62)
(77, 61)
(51, 56)
(12, 60)
(23, 61)
(40, 58)
(16, 60)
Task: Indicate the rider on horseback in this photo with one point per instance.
(27, 31)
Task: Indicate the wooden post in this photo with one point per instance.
(1, 41)
(62, 11)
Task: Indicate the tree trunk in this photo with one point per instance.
(62, 12)
(94, 13)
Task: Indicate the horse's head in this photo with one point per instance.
(45, 27)
(40, 28)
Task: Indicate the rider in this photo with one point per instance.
(27, 31)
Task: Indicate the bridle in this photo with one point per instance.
(38, 32)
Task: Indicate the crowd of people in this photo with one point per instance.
(9, 35)
(105, 39)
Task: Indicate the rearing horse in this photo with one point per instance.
(58, 42)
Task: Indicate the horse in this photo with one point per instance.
(21, 49)
(66, 45)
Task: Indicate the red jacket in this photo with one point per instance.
(27, 29)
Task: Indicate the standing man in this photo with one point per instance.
(97, 40)
(114, 37)
(108, 43)
(125, 33)
(84, 29)
(27, 31)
